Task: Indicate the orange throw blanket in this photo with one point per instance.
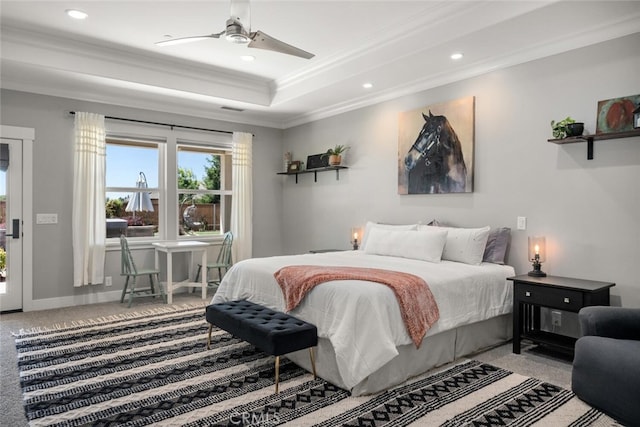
(417, 305)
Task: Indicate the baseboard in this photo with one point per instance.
(73, 300)
(70, 301)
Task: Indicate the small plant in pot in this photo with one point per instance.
(566, 127)
(335, 154)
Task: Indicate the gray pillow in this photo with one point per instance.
(497, 245)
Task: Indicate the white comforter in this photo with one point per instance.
(362, 319)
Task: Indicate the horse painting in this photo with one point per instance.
(435, 162)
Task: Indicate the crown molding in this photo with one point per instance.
(93, 58)
(580, 37)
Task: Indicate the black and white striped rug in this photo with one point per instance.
(152, 368)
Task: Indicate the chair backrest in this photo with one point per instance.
(127, 264)
(224, 256)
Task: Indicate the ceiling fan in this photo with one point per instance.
(238, 30)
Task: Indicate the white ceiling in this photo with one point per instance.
(399, 46)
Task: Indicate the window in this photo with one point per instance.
(132, 190)
(204, 193)
(188, 184)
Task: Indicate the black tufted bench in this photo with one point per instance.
(271, 331)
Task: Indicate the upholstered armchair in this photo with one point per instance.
(606, 365)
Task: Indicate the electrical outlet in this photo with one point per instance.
(556, 318)
(108, 281)
(522, 223)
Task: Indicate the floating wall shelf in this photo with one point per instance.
(596, 137)
(315, 172)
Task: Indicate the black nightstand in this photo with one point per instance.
(562, 293)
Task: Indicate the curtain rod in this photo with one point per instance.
(73, 113)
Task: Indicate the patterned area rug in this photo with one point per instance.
(152, 368)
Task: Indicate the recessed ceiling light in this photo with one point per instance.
(248, 58)
(77, 14)
(456, 56)
(367, 85)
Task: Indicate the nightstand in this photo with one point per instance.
(562, 293)
(322, 251)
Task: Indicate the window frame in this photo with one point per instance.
(140, 141)
(224, 151)
(168, 140)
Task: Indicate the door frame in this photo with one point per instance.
(27, 135)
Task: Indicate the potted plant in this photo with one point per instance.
(335, 154)
(566, 127)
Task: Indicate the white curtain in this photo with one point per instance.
(242, 200)
(88, 217)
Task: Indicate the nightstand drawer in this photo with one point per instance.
(563, 299)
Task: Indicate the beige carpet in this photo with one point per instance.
(556, 371)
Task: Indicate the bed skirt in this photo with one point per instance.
(436, 350)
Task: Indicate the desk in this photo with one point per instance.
(172, 247)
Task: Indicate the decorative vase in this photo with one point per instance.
(287, 160)
(335, 159)
(575, 129)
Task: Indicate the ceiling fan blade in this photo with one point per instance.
(260, 40)
(190, 39)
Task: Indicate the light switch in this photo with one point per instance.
(522, 223)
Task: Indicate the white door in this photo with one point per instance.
(11, 224)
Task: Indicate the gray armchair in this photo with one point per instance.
(606, 365)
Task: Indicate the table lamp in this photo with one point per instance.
(537, 255)
(355, 234)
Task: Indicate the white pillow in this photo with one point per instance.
(371, 225)
(464, 244)
(425, 245)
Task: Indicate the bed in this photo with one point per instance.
(363, 344)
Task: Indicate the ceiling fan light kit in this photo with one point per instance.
(238, 33)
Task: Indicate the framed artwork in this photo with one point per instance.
(316, 161)
(616, 114)
(435, 148)
(294, 166)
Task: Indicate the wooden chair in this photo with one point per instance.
(223, 261)
(130, 270)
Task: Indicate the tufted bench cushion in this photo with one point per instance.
(273, 332)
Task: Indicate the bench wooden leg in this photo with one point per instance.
(209, 337)
(313, 362)
(277, 372)
(313, 367)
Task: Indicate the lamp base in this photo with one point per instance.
(537, 273)
(537, 265)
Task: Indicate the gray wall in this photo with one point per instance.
(589, 211)
(53, 190)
